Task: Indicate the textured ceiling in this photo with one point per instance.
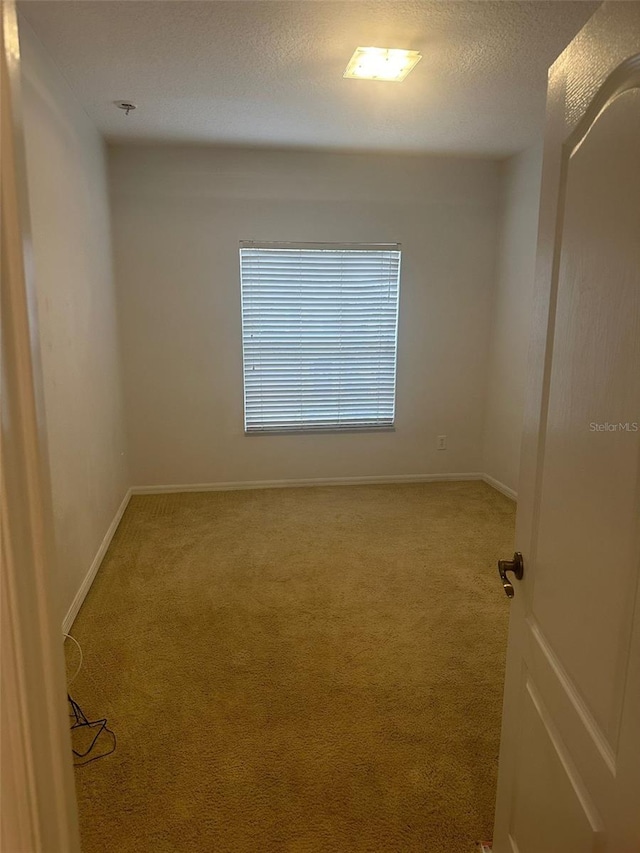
(269, 72)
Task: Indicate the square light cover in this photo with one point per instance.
(381, 63)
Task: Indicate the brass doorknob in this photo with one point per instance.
(516, 566)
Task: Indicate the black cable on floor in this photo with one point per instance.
(80, 721)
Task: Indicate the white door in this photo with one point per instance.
(569, 778)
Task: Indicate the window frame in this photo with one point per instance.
(320, 246)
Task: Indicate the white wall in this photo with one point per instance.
(66, 171)
(178, 215)
(511, 315)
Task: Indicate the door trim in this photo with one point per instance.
(36, 779)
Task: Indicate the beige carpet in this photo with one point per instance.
(301, 670)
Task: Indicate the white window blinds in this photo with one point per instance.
(319, 333)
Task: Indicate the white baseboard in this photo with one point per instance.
(317, 481)
(85, 586)
(496, 484)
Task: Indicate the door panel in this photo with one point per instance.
(570, 754)
(551, 786)
(587, 561)
(584, 736)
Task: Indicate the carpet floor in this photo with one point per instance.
(297, 670)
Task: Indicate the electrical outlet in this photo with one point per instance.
(442, 442)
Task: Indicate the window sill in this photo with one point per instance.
(318, 431)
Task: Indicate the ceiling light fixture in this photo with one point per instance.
(381, 63)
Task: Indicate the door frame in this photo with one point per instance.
(36, 782)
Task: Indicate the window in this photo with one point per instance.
(319, 335)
